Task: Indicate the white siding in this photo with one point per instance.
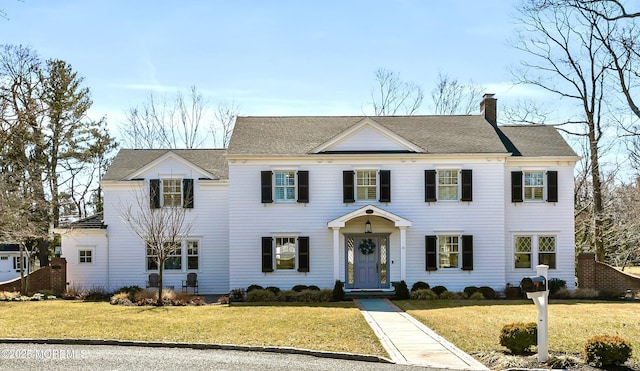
(542, 218)
(86, 275)
(367, 139)
(483, 218)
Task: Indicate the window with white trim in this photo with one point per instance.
(533, 250)
(449, 251)
(533, 185)
(192, 255)
(16, 263)
(285, 186)
(448, 184)
(366, 185)
(85, 256)
(285, 252)
(171, 192)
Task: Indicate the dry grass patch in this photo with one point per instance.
(326, 326)
(474, 326)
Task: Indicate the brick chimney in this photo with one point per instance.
(488, 108)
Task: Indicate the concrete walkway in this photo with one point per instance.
(408, 341)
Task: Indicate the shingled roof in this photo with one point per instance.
(128, 161)
(91, 222)
(454, 134)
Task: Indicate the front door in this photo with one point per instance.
(367, 262)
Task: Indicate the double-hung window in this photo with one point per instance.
(533, 185)
(285, 186)
(366, 185)
(449, 251)
(171, 193)
(532, 250)
(448, 182)
(285, 252)
(192, 255)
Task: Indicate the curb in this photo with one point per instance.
(201, 346)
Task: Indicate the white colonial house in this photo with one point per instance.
(10, 261)
(448, 200)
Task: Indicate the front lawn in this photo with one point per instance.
(474, 326)
(327, 326)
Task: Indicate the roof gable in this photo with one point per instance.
(367, 136)
(129, 163)
(169, 160)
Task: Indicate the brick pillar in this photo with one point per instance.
(58, 275)
(587, 270)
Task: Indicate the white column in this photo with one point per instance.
(403, 253)
(336, 253)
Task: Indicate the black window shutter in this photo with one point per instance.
(385, 186)
(552, 186)
(429, 186)
(467, 253)
(267, 254)
(303, 254)
(267, 193)
(154, 193)
(348, 187)
(303, 186)
(187, 193)
(431, 253)
(516, 186)
(467, 185)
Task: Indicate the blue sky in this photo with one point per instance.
(270, 57)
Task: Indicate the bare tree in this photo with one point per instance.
(167, 122)
(451, 97)
(226, 114)
(162, 229)
(567, 59)
(392, 96)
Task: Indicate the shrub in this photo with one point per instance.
(9, 295)
(95, 293)
(477, 296)
(121, 298)
(424, 294)
(402, 291)
(420, 286)
(131, 291)
(263, 295)
(519, 337)
(585, 294)
(439, 290)
(236, 295)
(487, 292)
(338, 291)
(555, 284)
(254, 287)
(513, 292)
(607, 350)
(288, 296)
(223, 300)
(313, 288)
(325, 295)
(448, 295)
(308, 296)
(300, 288)
(470, 290)
(274, 290)
(146, 294)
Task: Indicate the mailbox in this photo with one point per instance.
(533, 284)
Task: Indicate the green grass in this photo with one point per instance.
(330, 327)
(475, 325)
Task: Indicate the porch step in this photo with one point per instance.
(369, 294)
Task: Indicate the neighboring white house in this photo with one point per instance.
(10, 261)
(449, 200)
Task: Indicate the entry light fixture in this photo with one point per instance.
(367, 226)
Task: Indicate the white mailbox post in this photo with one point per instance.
(537, 289)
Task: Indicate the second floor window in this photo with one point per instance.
(285, 186)
(366, 185)
(447, 184)
(171, 193)
(533, 185)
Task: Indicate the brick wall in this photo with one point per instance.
(596, 275)
(52, 277)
